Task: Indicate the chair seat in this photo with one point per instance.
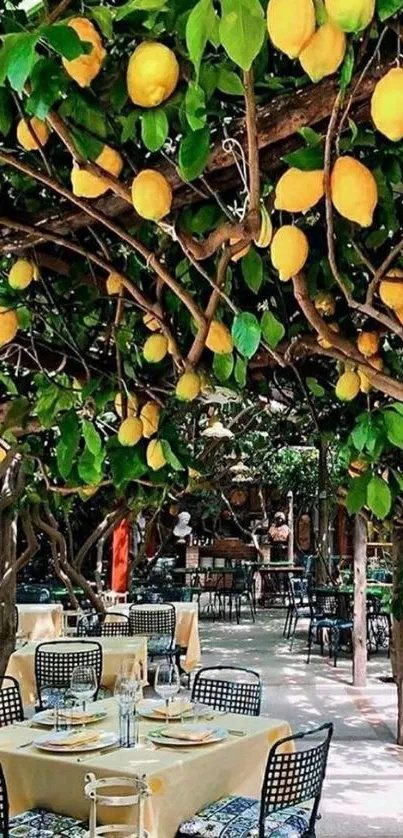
(238, 817)
(40, 823)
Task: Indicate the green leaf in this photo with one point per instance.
(320, 12)
(379, 497)
(229, 82)
(6, 111)
(246, 333)
(154, 128)
(306, 159)
(241, 367)
(17, 413)
(252, 270)
(193, 153)
(310, 136)
(387, 8)
(67, 446)
(104, 18)
(92, 437)
(81, 108)
(394, 427)
(170, 457)
(223, 366)
(48, 83)
(195, 106)
(9, 384)
(88, 146)
(126, 463)
(202, 26)
(21, 60)
(272, 329)
(242, 30)
(65, 41)
(347, 67)
(140, 6)
(315, 388)
(129, 124)
(90, 467)
(357, 493)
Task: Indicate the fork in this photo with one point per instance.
(99, 754)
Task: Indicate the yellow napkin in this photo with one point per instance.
(188, 735)
(74, 740)
(73, 715)
(176, 708)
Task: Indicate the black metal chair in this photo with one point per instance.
(299, 607)
(55, 661)
(228, 693)
(103, 625)
(332, 614)
(35, 822)
(236, 586)
(11, 709)
(290, 780)
(158, 624)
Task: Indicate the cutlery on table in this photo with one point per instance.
(102, 753)
(25, 744)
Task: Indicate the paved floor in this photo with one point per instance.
(363, 796)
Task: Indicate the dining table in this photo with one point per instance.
(41, 621)
(186, 629)
(181, 779)
(21, 664)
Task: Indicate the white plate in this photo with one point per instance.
(105, 741)
(44, 719)
(146, 709)
(218, 735)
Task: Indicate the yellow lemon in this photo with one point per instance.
(88, 491)
(153, 323)
(266, 229)
(348, 386)
(391, 291)
(323, 342)
(219, 338)
(357, 467)
(368, 343)
(324, 53)
(399, 314)
(365, 382)
(114, 283)
(8, 325)
(151, 195)
(86, 67)
(130, 431)
(188, 386)
(354, 190)
(155, 455)
(289, 251)
(150, 417)
(28, 140)
(3, 454)
(387, 105)
(21, 275)
(350, 15)
(155, 348)
(299, 191)
(152, 74)
(132, 405)
(87, 185)
(325, 303)
(376, 362)
(290, 27)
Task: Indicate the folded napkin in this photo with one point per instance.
(74, 740)
(188, 735)
(176, 708)
(73, 715)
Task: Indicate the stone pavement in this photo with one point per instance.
(363, 795)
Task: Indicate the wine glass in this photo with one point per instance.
(167, 683)
(84, 684)
(127, 688)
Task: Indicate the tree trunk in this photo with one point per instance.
(360, 603)
(8, 598)
(397, 624)
(290, 545)
(322, 570)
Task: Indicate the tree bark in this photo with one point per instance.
(397, 624)
(360, 603)
(290, 545)
(8, 596)
(322, 570)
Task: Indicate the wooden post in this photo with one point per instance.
(322, 570)
(290, 546)
(360, 602)
(397, 625)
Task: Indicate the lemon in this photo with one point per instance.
(114, 283)
(132, 404)
(87, 185)
(155, 455)
(188, 386)
(150, 417)
(26, 139)
(299, 191)
(354, 190)
(130, 431)
(368, 343)
(151, 195)
(391, 293)
(348, 386)
(387, 105)
(219, 338)
(290, 27)
(289, 251)
(365, 382)
(86, 67)
(266, 229)
(21, 275)
(350, 15)
(325, 303)
(8, 325)
(153, 323)
(324, 53)
(152, 74)
(357, 467)
(155, 348)
(376, 362)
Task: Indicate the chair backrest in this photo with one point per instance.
(296, 777)
(55, 661)
(230, 688)
(154, 621)
(4, 822)
(115, 625)
(11, 709)
(89, 625)
(326, 604)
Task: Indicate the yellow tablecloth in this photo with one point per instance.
(187, 628)
(22, 662)
(40, 622)
(182, 779)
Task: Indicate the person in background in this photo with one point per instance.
(279, 531)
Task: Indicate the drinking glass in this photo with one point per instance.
(167, 683)
(83, 684)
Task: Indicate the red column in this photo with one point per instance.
(120, 557)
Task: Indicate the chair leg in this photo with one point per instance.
(287, 617)
(293, 633)
(252, 609)
(310, 633)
